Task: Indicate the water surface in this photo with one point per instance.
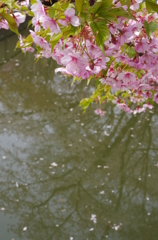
(68, 175)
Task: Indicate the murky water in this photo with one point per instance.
(68, 175)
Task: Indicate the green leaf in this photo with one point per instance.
(100, 31)
(108, 16)
(95, 7)
(131, 52)
(89, 79)
(18, 45)
(51, 12)
(8, 2)
(32, 2)
(151, 6)
(84, 103)
(24, 8)
(103, 11)
(96, 83)
(75, 79)
(29, 39)
(30, 13)
(107, 90)
(79, 4)
(99, 7)
(55, 39)
(29, 23)
(11, 22)
(64, 5)
(125, 2)
(27, 42)
(70, 31)
(150, 27)
(142, 6)
(120, 12)
(107, 3)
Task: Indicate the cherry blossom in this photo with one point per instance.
(70, 18)
(51, 24)
(4, 24)
(38, 10)
(125, 64)
(142, 46)
(39, 40)
(25, 49)
(155, 98)
(19, 18)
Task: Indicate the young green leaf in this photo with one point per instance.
(84, 103)
(8, 2)
(79, 4)
(120, 12)
(55, 39)
(151, 6)
(11, 22)
(107, 3)
(150, 27)
(126, 2)
(100, 31)
(95, 7)
(131, 52)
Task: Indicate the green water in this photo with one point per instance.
(68, 175)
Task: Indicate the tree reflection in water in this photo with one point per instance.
(106, 167)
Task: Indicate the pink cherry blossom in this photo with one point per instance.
(125, 36)
(75, 64)
(80, 56)
(51, 24)
(38, 10)
(139, 110)
(124, 107)
(39, 40)
(37, 24)
(19, 18)
(99, 112)
(142, 46)
(25, 49)
(70, 18)
(126, 77)
(155, 98)
(4, 24)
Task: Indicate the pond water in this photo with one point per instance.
(68, 175)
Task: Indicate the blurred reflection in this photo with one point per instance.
(69, 175)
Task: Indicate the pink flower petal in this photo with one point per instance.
(70, 12)
(75, 21)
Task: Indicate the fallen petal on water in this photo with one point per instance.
(106, 134)
(54, 164)
(91, 229)
(117, 228)
(102, 192)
